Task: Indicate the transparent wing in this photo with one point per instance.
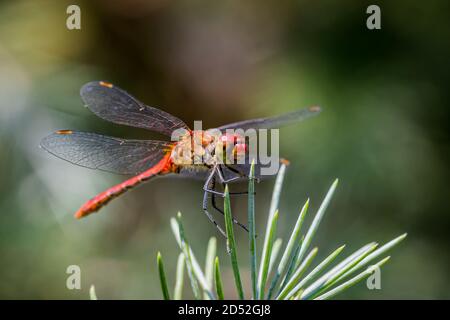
(105, 153)
(115, 105)
(274, 122)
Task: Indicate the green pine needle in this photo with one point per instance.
(218, 279)
(331, 293)
(298, 273)
(288, 255)
(92, 294)
(319, 283)
(315, 224)
(251, 229)
(162, 277)
(231, 244)
(179, 282)
(209, 264)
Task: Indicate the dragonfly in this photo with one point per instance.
(146, 159)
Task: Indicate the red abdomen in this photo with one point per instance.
(106, 196)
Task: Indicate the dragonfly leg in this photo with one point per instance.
(242, 174)
(205, 209)
(207, 186)
(238, 172)
(208, 189)
(224, 181)
(213, 202)
(240, 193)
(221, 176)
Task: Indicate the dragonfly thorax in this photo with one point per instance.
(209, 147)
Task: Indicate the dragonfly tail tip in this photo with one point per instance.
(79, 214)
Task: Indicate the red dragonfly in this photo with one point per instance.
(146, 159)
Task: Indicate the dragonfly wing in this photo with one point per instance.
(105, 153)
(274, 122)
(115, 105)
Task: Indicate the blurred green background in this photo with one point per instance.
(384, 132)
